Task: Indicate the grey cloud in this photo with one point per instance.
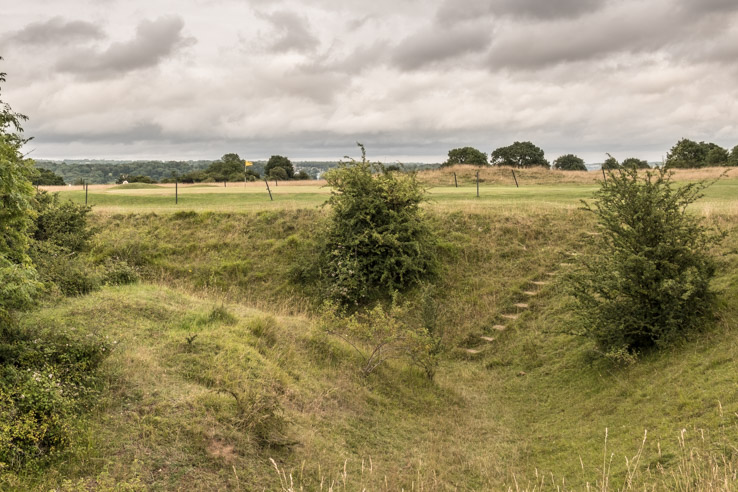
(320, 88)
(57, 30)
(435, 45)
(353, 63)
(707, 6)
(293, 33)
(460, 10)
(137, 132)
(550, 43)
(154, 41)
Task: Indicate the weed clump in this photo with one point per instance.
(649, 281)
(380, 334)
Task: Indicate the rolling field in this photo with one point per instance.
(547, 189)
(217, 328)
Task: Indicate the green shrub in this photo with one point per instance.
(119, 272)
(46, 379)
(378, 240)
(649, 281)
(17, 275)
(399, 331)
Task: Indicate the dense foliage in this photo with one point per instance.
(687, 153)
(378, 240)
(44, 374)
(47, 377)
(279, 167)
(519, 154)
(649, 281)
(44, 177)
(610, 163)
(133, 178)
(569, 162)
(104, 172)
(17, 275)
(634, 162)
(466, 155)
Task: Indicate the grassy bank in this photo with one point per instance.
(217, 336)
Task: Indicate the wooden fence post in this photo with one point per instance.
(269, 190)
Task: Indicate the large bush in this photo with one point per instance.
(649, 281)
(378, 240)
(17, 275)
(43, 373)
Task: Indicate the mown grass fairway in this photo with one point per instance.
(217, 327)
(237, 197)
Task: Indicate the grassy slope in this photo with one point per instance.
(533, 403)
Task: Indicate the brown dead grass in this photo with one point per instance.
(466, 174)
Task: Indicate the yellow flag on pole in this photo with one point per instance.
(247, 163)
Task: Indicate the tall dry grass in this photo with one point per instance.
(699, 468)
(466, 174)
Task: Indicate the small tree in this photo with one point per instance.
(278, 161)
(228, 168)
(610, 163)
(636, 163)
(377, 240)
(278, 173)
(47, 178)
(569, 162)
(466, 155)
(685, 153)
(649, 281)
(519, 154)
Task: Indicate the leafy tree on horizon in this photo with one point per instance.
(635, 163)
(44, 177)
(279, 161)
(466, 155)
(230, 167)
(569, 162)
(687, 153)
(610, 163)
(519, 154)
(717, 156)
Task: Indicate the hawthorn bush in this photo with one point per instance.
(377, 241)
(649, 281)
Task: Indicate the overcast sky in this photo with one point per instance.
(411, 79)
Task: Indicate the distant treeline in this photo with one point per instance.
(104, 172)
(100, 171)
